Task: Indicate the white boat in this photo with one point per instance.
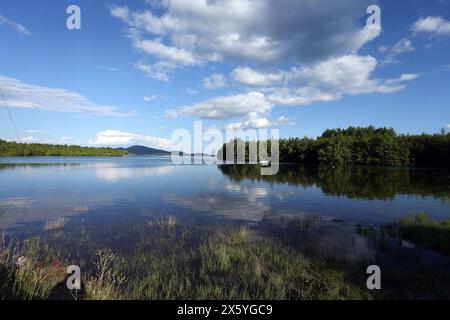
(264, 162)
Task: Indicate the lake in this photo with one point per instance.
(115, 202)
(114, 191)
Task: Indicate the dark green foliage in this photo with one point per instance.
(13, 149)
(366, 146)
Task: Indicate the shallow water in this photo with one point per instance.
(106, 200)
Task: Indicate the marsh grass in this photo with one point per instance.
(413, 253)
(175, 261)
(168, 223)
(230, 264)
(422, 231)
(107, 281)
(32, 274)
(55, 225)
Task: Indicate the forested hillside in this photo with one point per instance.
(13, 149)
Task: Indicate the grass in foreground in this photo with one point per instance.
(226, 266)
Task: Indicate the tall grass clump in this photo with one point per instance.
(107, 281)
(55, 225)
(32, 272)
(423, 231)
(168, 223)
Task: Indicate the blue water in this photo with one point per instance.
(112, 191)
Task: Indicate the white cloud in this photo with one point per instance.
(325, 81)
(403, 78)
(34, 131)
(165, 53)
(259, 123)
(22, 95)
(403, 46)
(255, 123)
(189, 33)
(120, 12)
(191, 91)
(253, 78)
(112, 174)
(159, 71)
(150, 98)
(301, 52)
(108, 68)
(214, 81)
(16, 26)
(284, 121)
(432, 24)
(29, 139)
(126, 139)
(225, 107)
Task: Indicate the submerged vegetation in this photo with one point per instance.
(423, 231)
(227, 265)
(55, 225)
(14, 149)
(277, 260)
(361, 146)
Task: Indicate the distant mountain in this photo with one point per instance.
(145, 151)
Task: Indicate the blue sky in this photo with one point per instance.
(136, 71)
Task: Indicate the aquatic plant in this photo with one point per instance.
(423, 231)
(225, 266)
(168, 223)
(55, 225)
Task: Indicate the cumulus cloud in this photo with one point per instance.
(225, 107)
(432, 25)
(160, 71)
(264, 31)
(250, 77)
(284, 121)
(325, 81)
(260, 123)
(214, 81)
(164, 52)
(120, 138)
(14, 25)
(301, 52)
(29, 139)
(22, 95)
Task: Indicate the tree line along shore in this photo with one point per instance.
(359, 146)
(351, 146)
(14, 149)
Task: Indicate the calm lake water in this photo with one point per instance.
(103, 199)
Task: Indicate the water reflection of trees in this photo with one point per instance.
(353, 182)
